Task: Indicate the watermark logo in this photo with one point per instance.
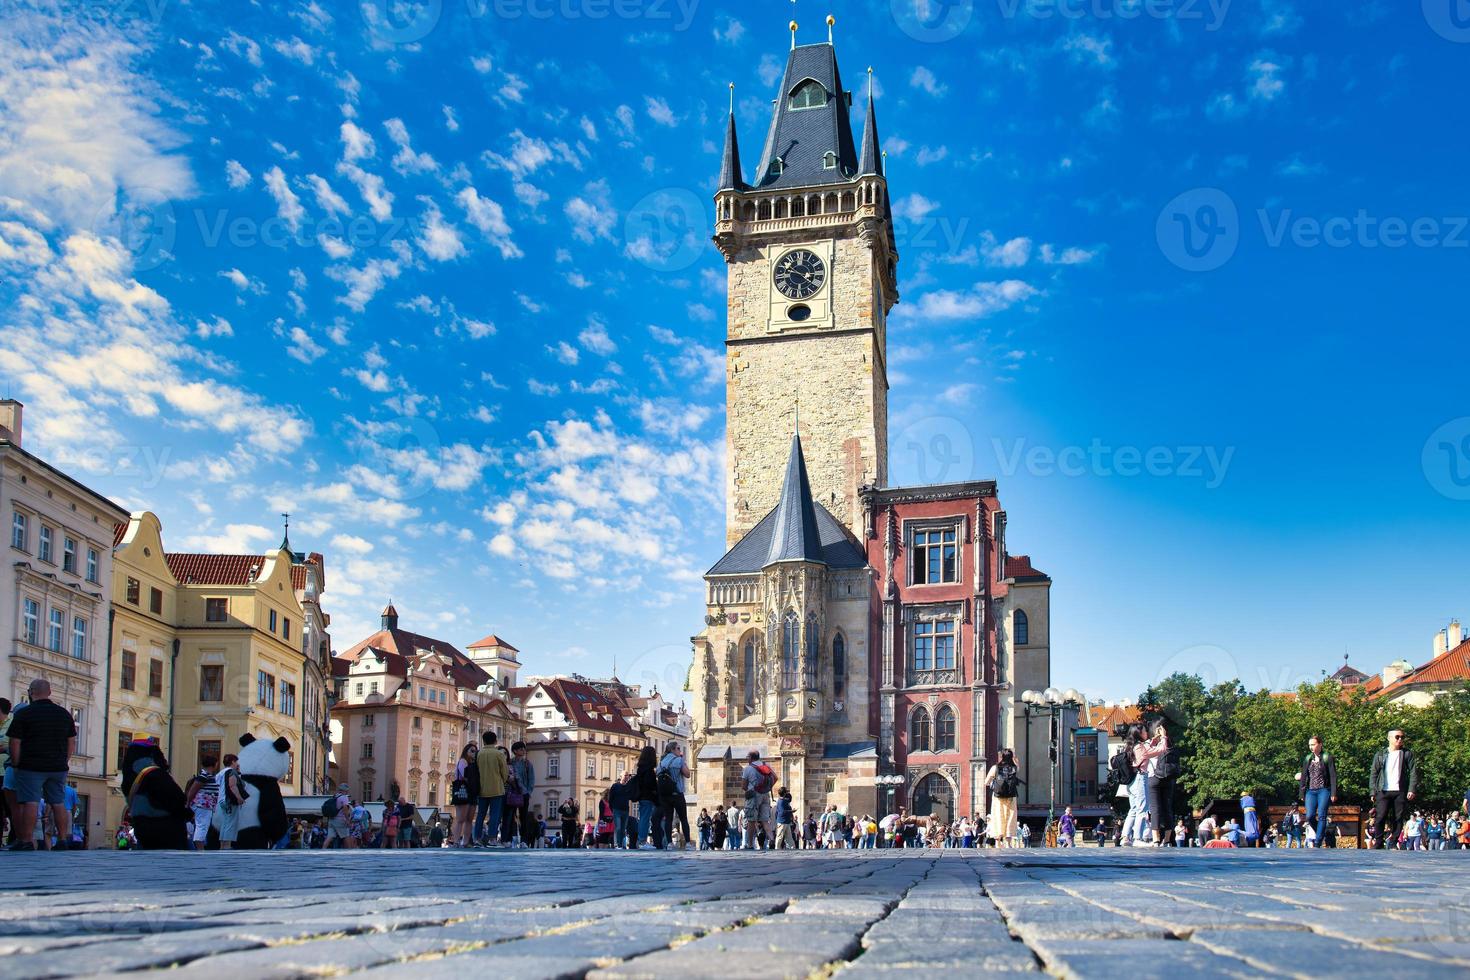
(1211, 12)
(932, 21)
(938, 448)
(401, 21)
(1211, 664)
(1446, 459)
(1208, 464)
(407, 451)
(116, 11)
(1450, 19)
(1199, 230)
(667, 229)
(146, 229)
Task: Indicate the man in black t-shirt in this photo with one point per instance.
(43, 738)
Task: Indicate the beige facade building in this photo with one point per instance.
(580, 740)
(407, 705)
(54, 602)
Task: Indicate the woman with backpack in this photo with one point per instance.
(1131, 769)
(672, 771)
(645, 782)
(464, 791)
(1004, 781)
(1163, 772)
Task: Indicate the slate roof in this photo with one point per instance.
(797, 529)
(871, 160)
(801, 137)
(731, 177)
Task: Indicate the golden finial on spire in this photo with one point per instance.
(830, 21)
(793, 35)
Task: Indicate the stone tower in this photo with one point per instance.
(811, 268)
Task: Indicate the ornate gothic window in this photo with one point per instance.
(747, 675)
(810, 679)
(919, 730)
(1022, 629)
(944, 737)
(790, 650)
(808, 95)
(839, 667)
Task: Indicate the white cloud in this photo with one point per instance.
(595, 339)
(234, 539)
(1007, 255)
(242, 282)
(370, 186)
(303, 347)
(236, 175)
(357, 144)
(929, 155)
(489, 218)
(1090, 49)
(729, 30)
(219, 327)
(296, 50)
(659, 112)
(915, 207)
(503, 545)
(288, 205)
(364, 283)
(924, 79)
(564, 352)
(438, 239)
(592, 215)
(406, 161)
(326, 198)
(982, 300)
(451, 121)
(1264, 79)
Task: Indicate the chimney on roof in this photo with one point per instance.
(1457, 635)
(10, 417)
(1441, 642)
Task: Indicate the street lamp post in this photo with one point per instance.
(1053, 704)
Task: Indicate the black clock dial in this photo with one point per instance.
(800, 274)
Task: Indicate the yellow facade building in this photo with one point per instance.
(208, 647)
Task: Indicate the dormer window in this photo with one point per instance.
(777, 165)
(829, 161)
(808, 95)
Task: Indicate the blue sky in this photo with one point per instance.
(1187, 279)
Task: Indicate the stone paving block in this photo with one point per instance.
(744, 965)
(1141, 959)
(926, 927)
(995, 956)
(1268, 947)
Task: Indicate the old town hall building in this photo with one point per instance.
(853, 630)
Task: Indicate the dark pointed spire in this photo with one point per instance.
(871, 161)
(286, 534)
(730, 176)
(795, 536)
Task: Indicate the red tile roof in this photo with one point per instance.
(119, 531)
(192, 569)
(585, 707)
(1107, 717)
(401, 644)
(1019, 567)
(492, 641)
(1452, 665)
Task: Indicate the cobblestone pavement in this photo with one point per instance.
(841, 914)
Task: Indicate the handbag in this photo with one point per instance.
(515, 798)
(459, 793)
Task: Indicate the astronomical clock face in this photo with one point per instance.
(800, 274)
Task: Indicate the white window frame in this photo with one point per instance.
(31, 622)
(79, 638)
(20, 532)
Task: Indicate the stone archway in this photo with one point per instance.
(934, 797)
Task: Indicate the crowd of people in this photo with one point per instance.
(647, 808)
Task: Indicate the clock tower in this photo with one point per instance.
(809, 248)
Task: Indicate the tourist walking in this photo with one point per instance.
(1250, 821)
(1004, 782)
(339, 827)
(42, 739)
(645, 786)
(785, 821)
(231, 795)
(1394, 780)
(518, 798)
(571, 824)
(1317, 784)
(673, 771)
(1067, 829)
(465, 795)
(494, 772)
(619, 796)
(201, 795)
(719, 829)
(759, 779)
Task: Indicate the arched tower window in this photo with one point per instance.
(829, 160)
(944, 730)
(839, 667)
(808, 95)
(790, 650)
(747, 673)
(919, 730)
(812, 649)
(1021, 629)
